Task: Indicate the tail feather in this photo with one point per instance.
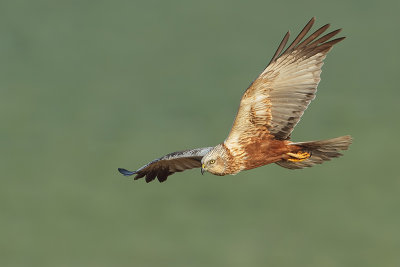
(320, 151)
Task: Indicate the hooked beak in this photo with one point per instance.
(202, 169)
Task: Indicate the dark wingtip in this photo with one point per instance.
(126, 172)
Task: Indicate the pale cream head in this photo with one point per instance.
(215, 161)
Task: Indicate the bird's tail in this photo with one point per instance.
(316, 152)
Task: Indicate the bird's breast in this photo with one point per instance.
(255, 152)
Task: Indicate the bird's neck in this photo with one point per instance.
(233, 163)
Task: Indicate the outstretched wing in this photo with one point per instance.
(169, 164)
(274, 103)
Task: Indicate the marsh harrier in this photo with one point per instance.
(269, 110)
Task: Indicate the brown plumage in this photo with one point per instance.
(269, 110)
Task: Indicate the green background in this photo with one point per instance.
(89, 86)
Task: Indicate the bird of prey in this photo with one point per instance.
(269, 110)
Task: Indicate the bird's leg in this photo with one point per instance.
(299, 156)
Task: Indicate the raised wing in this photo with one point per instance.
(169, 164)
(274, 103)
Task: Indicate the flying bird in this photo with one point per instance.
(269, 110)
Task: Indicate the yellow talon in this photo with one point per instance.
(299, 156)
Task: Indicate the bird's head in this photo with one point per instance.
(214, 161)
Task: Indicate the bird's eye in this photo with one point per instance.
(212, 161)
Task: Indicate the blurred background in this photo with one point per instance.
(90, 86)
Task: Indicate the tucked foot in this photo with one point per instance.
(299, 156)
